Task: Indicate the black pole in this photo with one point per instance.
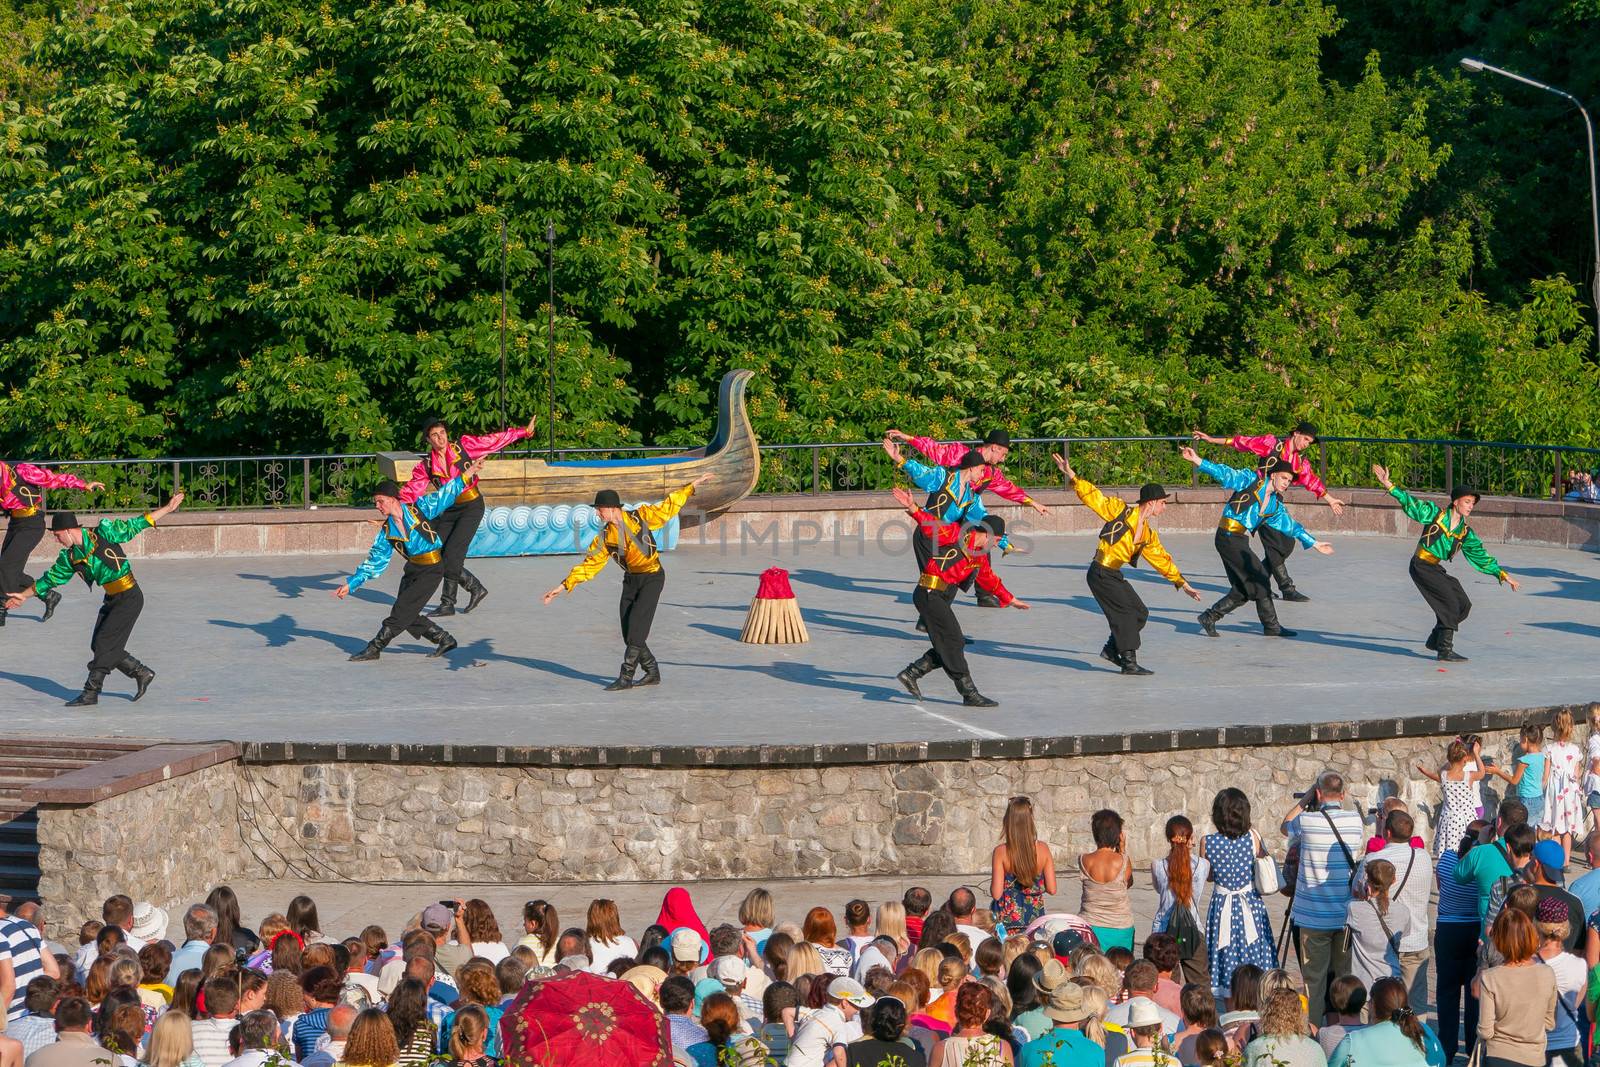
(550, 349)
(503, 269)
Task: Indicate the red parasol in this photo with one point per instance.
(580, 1018)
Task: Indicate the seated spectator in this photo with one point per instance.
(677, 1004)
(320, 987)
(373, 1041)
(221, 1013)
(409, 1016)
(512, 973)
(74, 1045)
(36, 1027)
(819, 932)
(606, 941)
(331, 1049)
(541, 925)
(719, 1017)
(780, 1012)
(1582, 488)
(231, 930)
(756, 917)
(1284, 1036)
(834, 1023)
(121, 1027)
(169, 1043)
(1139, 982)
(918, 902)
(1065, 1044)
(470, 1033)
(969, 1044)
(1348, 999)
(952, 975)
(885, 1041)
(1211, 1050)
(199, 930)
(1162, 950)
(155, 963)
(1198, 1009)
(1396, 1038)
(258, 1041)
(1144, 1030)
(480, 988)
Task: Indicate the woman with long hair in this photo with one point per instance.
(969, 1044)
(171, 1043)
(775, 956)
(1175, 877)
(1517, 1000)
(481, 988)
(1564, 796)
(607, 942)
(936, 928)
(1396, 1037)
(542, 924)
(302, 916)
(1241, 1022)
(820, 932)
(230, 927)
(891, 922)
(482, 931)
(1021, 869)
(373, 1041)
(185, 991)
(408, 1014)
(804, 959)
(469, 1036)
(1237, 929)
(1375, 924)
(1285, 1035)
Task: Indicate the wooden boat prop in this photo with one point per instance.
(733, 458)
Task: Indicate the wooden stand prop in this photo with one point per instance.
(774, 617)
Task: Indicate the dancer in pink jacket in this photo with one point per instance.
(22, 487)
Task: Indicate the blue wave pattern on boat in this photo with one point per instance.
(545, 530)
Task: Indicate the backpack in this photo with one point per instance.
(1184, 930)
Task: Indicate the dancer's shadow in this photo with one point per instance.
(43, 686)
(1567, 585)
(845, 583)
(469, 655)
(285, 630)
(1354, 641)
(1029, 653)
(811, 676)
(292, 586)
(869, 626)
(1582, 628)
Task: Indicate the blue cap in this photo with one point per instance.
(1550, 855)
(703, 989)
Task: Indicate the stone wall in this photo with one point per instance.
(484, 823)
(168, 842)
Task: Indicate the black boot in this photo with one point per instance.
(376, 645)
(437, 636)
(52, 601)
(447, 600)
(3, 614)
(1130, 664)
(987, 599)
(1269, 619)
(475, 591)
(1290, 593)
(970, 695)
(648, 664)
(1213, 615)
(1446, 646)
(915, 671)
(630, 663)
(1108, 651)
(91, 689)
(141, 674)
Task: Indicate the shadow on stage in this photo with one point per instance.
(44, 686)
(285, 630)
(1568, 586)
(469, 655)
(800, 673)
(1581, 628)
(292, 586)
(842, 582)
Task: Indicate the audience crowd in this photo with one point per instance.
(1485, 918)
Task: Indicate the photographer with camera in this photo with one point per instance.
(1326, 837)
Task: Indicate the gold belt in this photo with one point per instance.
(468, 495)
(933, 581)
(427, 558)
(120, 585)
(1233, 526)
(1427, 557)
(1100, 559)
(25, 513)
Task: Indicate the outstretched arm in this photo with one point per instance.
(45, 478)
(1478, 556)
(656, 516)
(376, 563)
(476, 445)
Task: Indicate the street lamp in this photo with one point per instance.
(1478, 66)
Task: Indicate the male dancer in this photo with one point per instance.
(409, 530)
(993, 449)
(957, 553)
(629, 538)
(1257, 500)
(457, 525)
(22, 487)
(1443, 531)
(1290, 450)
(95, 556)
(1125, 537)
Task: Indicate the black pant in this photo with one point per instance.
(1455, 957)
(640, 595)
(1122, 607)
(112, 628)
(1442, 592)
(1246, 575)
(1275, 545)
(417, 585)
(22, 535)
(949, 643)
(455, 527)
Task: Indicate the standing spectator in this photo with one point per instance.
(36, 1027)
(221, 1013)
(1375, 925)
(373, 1041)
(1348, 998)
(1284, 1039)
(74, 1045)
(22, 948)
(1532, 773)
(1107, 876)
(1563, 799)
(918, 902)
(1325, 835)
(819, 933)
(1065, 1044)
(1021, 870)
(969, 1045)
(231, 930)
(1413, 889)
(884, 1046)
(1563, 1039)
(606, 940)
(1455, 947)
(1459, 782)
(963, 909)
(1517, 998)
(199, 930)
(1484, 867)
(1587, 887)
(1396, 1038)
(834, 1023)
(1591, 779)
(541, 925)
(1175, 877)
(1237, 930)
(340, 1019)
(170, 1043)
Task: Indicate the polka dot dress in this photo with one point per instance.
(1233, 869)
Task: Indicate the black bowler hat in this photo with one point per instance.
(64, 520)
(431, 423)
(388, 487)
(1307, 429)
(1151, 491)
(1280, 466)
(607, 498)
(998, 437)
(970, 460)
(1464, 490)
(996, 525)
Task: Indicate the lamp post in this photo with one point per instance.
(1478, 66)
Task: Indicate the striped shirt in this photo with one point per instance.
(1458, 901)
(1322, 888)
(307, 1029)
(211, 1040)
(23, 945)
(34, 1031)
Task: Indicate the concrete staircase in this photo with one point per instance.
(25, 761)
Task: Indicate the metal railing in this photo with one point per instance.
(223, 483)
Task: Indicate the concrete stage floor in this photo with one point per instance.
(254, 649)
